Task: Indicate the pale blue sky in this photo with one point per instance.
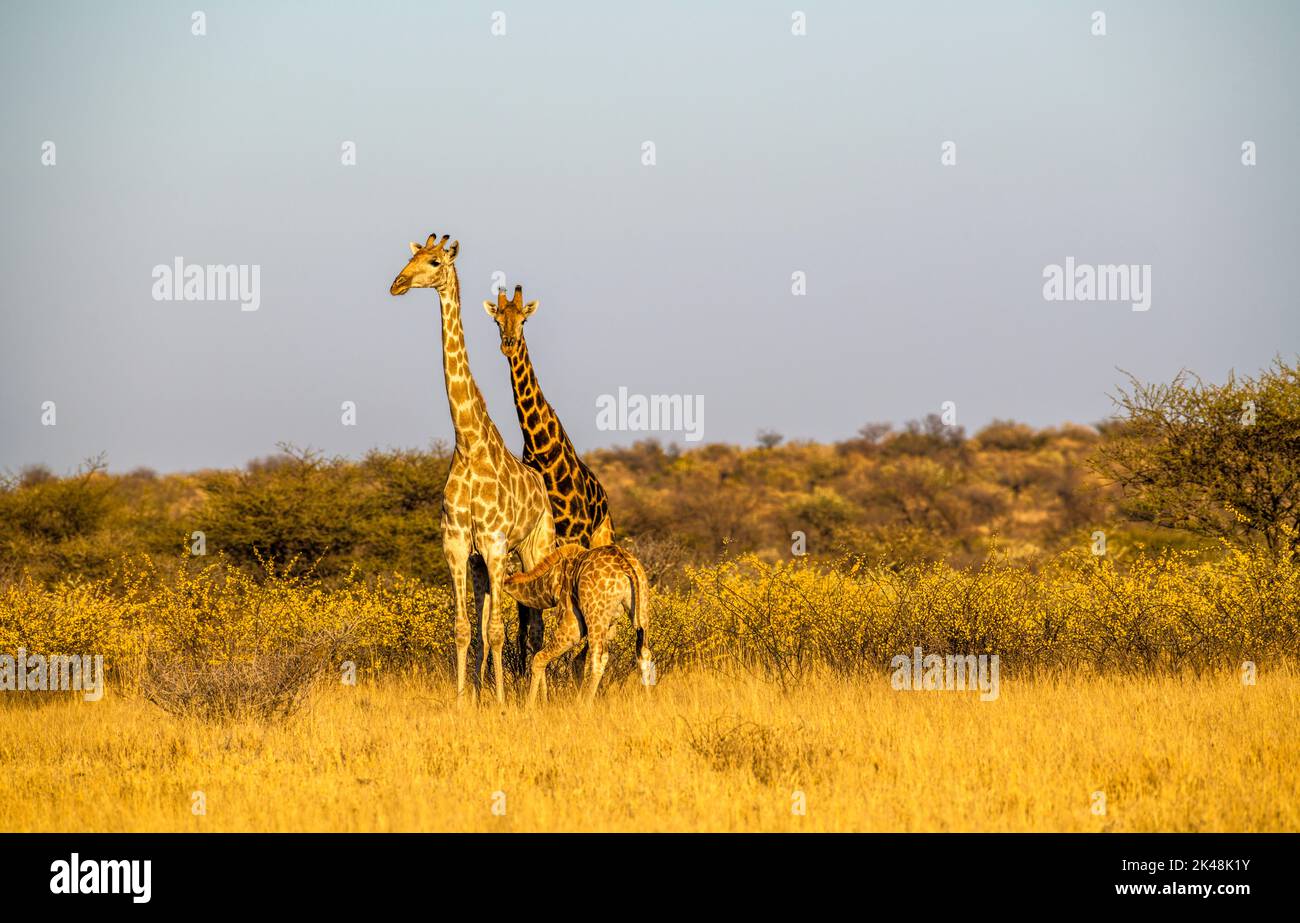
(775, 154)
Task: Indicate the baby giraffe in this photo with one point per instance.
(589, 586)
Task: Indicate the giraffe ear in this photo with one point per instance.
(415, 248)
(491, 309)
(530, 308)
(452, 250)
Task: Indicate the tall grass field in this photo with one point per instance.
(1157, 698)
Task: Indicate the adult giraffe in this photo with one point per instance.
(579, 504)
(492, 504)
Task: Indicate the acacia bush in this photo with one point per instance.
(53, 522)
(925, 492)
(1222, 460)
(379, 515)
(265, 686)
(922, 493)
(212, 640)
(786, 621)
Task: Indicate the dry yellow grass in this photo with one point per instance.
(701, 754)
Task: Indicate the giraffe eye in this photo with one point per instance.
(433, 262)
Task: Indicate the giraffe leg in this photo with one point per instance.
(604, 593)
(456, 549)
(529, 634)
(480, 587)
(542, 677)
(523, 628)
(532, 628)
(536, 644)
(598, 658)
(494, 629)
(595, 625)
(562, 638)
(601, 535)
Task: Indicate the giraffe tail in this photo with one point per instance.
(640, 614)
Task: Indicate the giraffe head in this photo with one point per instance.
(431, 266)
(510, 316)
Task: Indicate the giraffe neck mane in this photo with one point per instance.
(469, 417)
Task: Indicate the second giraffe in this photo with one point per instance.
(579, 505)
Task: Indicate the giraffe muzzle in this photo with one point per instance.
(400, 286)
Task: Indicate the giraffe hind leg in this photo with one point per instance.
(494, 631)
(598, 656)
(602, 534)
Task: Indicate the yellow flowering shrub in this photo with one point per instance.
(74, 618)
(786, 619)
(779, 620)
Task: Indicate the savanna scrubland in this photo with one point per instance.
(1138, 580)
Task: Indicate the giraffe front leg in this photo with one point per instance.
(457, 554)
(563, 637)
(497, 632)
(494, 635)
(537, 668)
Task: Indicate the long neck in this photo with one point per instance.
(535, 590)
(530, 405)
(468, 410)
(540, 587)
